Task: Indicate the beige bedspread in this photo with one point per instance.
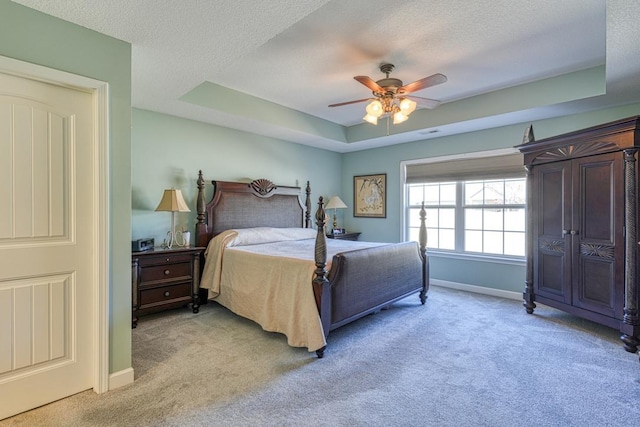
(265, 275)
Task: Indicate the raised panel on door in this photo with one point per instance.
(552, 213)
(598, 247)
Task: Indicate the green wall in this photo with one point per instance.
(387, 160)
(34, 37)
(168, 152)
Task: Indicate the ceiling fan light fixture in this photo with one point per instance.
(390, 96)
(371, 119)
(407, 106)
(375, 108)
(399, 117)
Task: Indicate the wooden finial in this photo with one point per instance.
(528, 135)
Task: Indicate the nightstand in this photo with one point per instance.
(163, 279)
(344, 236)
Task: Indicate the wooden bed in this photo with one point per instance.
(359, 282)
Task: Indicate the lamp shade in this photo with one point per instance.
(172, 201)
(335, 203)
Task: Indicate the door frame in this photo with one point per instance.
(100, 184)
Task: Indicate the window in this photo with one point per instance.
(475, 203)
(474, 216)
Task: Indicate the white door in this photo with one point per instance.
(47, 240)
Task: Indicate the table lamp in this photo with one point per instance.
(172, 201)
(335, 203)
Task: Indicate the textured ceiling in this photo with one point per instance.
(273, 67)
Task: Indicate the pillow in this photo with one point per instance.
(258, 235)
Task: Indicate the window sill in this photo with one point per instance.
(494, 259)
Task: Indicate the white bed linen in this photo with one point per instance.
(270, 282)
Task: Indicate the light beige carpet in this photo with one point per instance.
(462, 359)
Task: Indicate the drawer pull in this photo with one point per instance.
(168, 259)
(166, 294)
(167, 272)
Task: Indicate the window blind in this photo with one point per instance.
(505, 166)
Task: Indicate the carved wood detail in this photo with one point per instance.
(263, 186)
(551, 245)
(422, 241)
(600, 251)
(201, 220)
(307, 205)
(575, 150)
(630, 318)
(321, 287)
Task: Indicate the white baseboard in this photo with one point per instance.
(477, 289)
(120, 378)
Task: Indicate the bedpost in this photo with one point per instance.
(307, 204)
(321, 287)
(201, 225)
(422, 237)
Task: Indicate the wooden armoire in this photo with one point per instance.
(582, 222)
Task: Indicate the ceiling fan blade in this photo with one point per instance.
(370, 83)
(425, 102)
(350, 102)
(432, 80)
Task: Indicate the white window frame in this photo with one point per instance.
(501, 259)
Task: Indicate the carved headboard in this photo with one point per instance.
(243, 205)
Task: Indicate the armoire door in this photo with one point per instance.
(552, 243)
(597, 228)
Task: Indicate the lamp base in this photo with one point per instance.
(172, 239)
(178, 238)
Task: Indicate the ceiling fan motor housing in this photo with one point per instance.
(389, 84)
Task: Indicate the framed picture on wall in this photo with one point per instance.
(370, 196)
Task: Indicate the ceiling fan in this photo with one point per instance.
(391, 97)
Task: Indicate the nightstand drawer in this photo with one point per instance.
(159, 258)
(165, 294)
(165, 272)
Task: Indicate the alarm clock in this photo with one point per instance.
(141, 245)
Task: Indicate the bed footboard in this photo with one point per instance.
(365, 280)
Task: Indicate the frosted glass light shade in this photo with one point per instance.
(407, 106)
(399, 118)
(375, 108)
(371, 119)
